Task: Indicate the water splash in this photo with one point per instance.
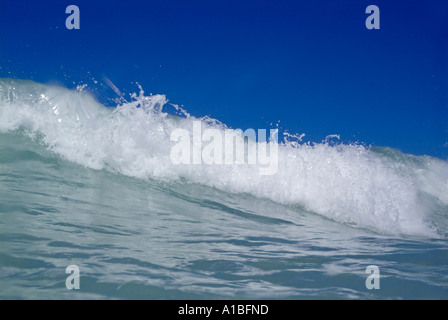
(378, 189)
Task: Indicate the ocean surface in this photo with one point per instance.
(93, 186)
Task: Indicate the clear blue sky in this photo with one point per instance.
(312, 65)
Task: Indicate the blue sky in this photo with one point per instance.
(312, 66)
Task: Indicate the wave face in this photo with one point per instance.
(379, 189)
(93, 186)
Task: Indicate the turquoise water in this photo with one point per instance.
(91, 186)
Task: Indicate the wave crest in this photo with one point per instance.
(376, 188)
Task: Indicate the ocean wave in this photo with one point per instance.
(380, 189)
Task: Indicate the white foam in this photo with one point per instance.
(347, 183)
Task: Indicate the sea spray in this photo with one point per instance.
(351, 184)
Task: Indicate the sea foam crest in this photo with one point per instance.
(382, 190)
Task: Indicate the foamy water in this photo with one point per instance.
(70, 165)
